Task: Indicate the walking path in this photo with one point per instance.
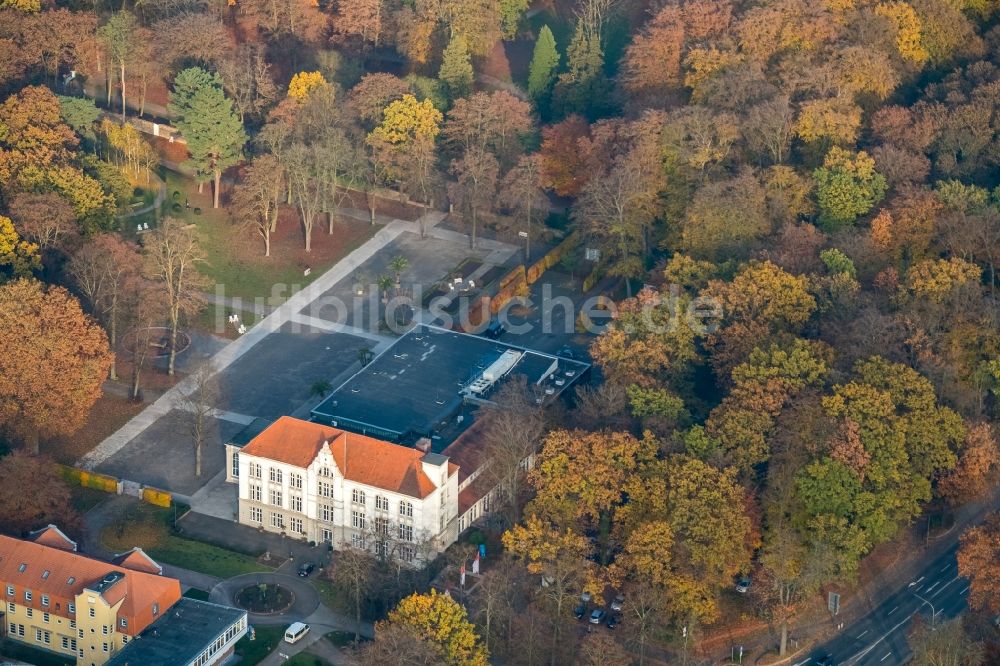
(161, 196)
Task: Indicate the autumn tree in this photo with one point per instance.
(48, 503)
(544, 65)
(352, 576)
(373, 93)
(944, 643)
(258, 195)
(102, 270)
(521, 193)
(18, 257)
(215, 136)
(172, 256)
(726, 218)
(44, 219)
(55, 362)
(365, 19)
(978, 463)
(979, 561)
(847, 186)
(303, 83)
(246, 78)
(564, 170)
(440, 620)
(652, 62)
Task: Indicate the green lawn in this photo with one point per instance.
(15, 650)
(252, 652)
(149, 527)
(234, 254)
(342, 638)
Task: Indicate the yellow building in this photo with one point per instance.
(58, 600)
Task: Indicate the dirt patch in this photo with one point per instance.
(388, 207)
(108, 414)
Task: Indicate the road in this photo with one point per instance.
(880, 638)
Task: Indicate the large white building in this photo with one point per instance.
(323, 484)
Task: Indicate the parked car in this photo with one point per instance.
(306, 568)
(585, 597)
(743, 584)
(825, 660)
(613, 621)
(597, 616)
(494, 330)
(580, 611)
(617, 604)
(295, 632)
(566, 352)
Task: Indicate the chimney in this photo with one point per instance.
(423, 445)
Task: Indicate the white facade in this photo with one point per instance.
(317, 503)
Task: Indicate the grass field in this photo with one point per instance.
(148, 527)
(235, 253)
(253, 652)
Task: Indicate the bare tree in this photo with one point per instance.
(476, 186)
(521, 193)
(514, 426)
(246, 77)
(142, 309)
(257, 197)
(199, 403)
(172, 259)
(46, 219)
(396, 644)
(303, 164)
(353, 575)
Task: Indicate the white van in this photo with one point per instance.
(295, 632)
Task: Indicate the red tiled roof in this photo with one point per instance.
(54, 537)
(137, 560)
(366, 460)
(292, 441)
(467, 450)
(475, 491)
(70, 573)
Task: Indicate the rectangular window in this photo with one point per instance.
(406, 532)
(327, 535)
(47, 637)
(325, 489)
(381, 503)
(296, 503)
(276, 475)
(297, 481)
(92, 614)
(381, 550)
(326, 513)
(13, 628)
(45, 600)
(104, 646)
(72, 608)
(236, 463)
(72, 624)
(124, 623)
(256, 514)
(45, 574)
(296, 524)
(65, 642)
(358, 541)
(45, 617)
(255, 470)
(276, 497)
(358, 496)
(406, 509)
(20, 630)
(277, 520)
(358, 520)
(382, 526)
(10, 590)
(29, 612)
(104, 629)
(124, 639)
(408, 553)
(10, 607)
(255, 493)
(27, 595)
(38, 635)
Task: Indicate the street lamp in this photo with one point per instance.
(933, 612)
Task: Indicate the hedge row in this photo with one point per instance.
(80, 477)
(157, 497)
(551, 258)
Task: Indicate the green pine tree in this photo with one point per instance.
(585, 88)
(205, 117)
(544, 62)
(456, 68)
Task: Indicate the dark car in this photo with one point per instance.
(580, 611)
(306, 568)
(743, 584)
(613, 621)
(597, 616)
(825, 660)
(566, 352)
(494, 330)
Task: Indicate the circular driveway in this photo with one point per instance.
(306, 597)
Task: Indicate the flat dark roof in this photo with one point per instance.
(415, 387)
(182, 633)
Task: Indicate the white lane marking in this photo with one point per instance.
(965, 590)
(941, 589)
(893, 610)
(918, 580)
(863, 633)
(919, 588)
(933, 586)
(807, 660)
(944, 568)
(861, 655)
(885, 657)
